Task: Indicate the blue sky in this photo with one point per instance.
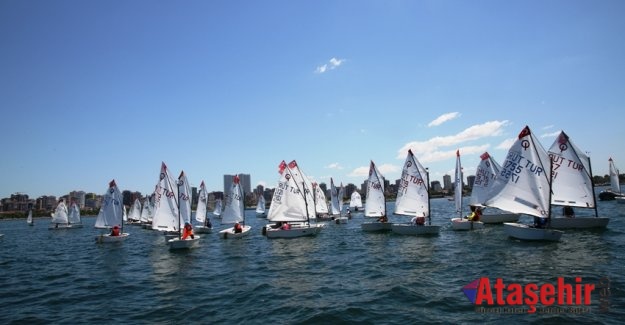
(97, 90)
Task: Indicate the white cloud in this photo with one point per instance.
(547, 127)
(444, 118)
(334, 166)
(550, 135)
(359, 172)
(506, 144)
(428, 151)
(332, 64)
(385, 170)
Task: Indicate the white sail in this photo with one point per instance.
(355, 201)
(135, 210)
(200, 211)
(571, 180)
(321, 205)
(29, 219)
(483, 185)
(289, 201)
(218, 208)
(412, 195)
(165, 216)
(335, 205)
(145, 210)
(74, 214)
(235, 208)
(260, 207)
(184, 199)
(376, 203)
(458, 185)
(60, 214)
(524, 178)
(306, 186)
(111, 211)
(614, 181)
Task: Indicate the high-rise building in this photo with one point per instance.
(447, 182)
(470, 181)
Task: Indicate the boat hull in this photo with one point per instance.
(525, 232)
(412, 229)
(375, 226)
(499, 218)
(177, 243)
(65, 226)
(229, 232)
(107, 238)
(340, 220)
(293, 232)
(609, 195)
(202, 230)
(465, 224)
(578, 223)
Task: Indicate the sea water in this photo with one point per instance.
(343, 275)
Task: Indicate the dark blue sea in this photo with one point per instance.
(341, 276)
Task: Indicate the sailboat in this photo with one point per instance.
(460, 223)
(234, 212)
(292, 206)
(134, 217)
(572, 184)
(376, 202)
(413, 199)
(335, 203)
(201, 213)
(355, 202)
(110, 215)
(60, 217)
(146, 213)
(525, 187)
(74, 218)
(260, 207)
(321, 205)
(218, 208)
(483, 189)
(615, 187)
(341, 218)
(29, 218)
(166, 214)
(184, 216)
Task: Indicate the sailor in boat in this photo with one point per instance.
(475, 214)
(568, 211)
(238, 228)
(383, 219)
(349, 213)
(115, 231)
(187, 231)
(540, 222)
(419, 221)
(285, 226)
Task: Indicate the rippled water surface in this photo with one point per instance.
(342, 275)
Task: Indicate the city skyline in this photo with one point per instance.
(98, 91)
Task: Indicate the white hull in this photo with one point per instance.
(578, 223)
(229, 232)
(376, 226)
(65, 226)
(499, 218)
(293, 232)
(339, 220)
(202, 230)
(525, 232)
(620, 199)
(412, 229)
(177, 243)
(465, 224)
(107, 238)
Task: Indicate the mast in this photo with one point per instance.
(592, 183)
(550, 191)
(427, 187)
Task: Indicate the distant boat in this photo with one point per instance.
(74, 218)
(234, 212)
(321, 205)
(525, 186)
(134, 217)
(376, 202)
(111, 216)
(483, 189)
(218, 208)
(29, 218)
(572, 185)
(201, 213)
(615, 187)
(60, 217)
(460, 223)
(355, 202)
(293, 205)
(260, 207)
(335, 202)
(341, 218)
(413, 199)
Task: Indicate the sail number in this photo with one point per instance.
(516, 164)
